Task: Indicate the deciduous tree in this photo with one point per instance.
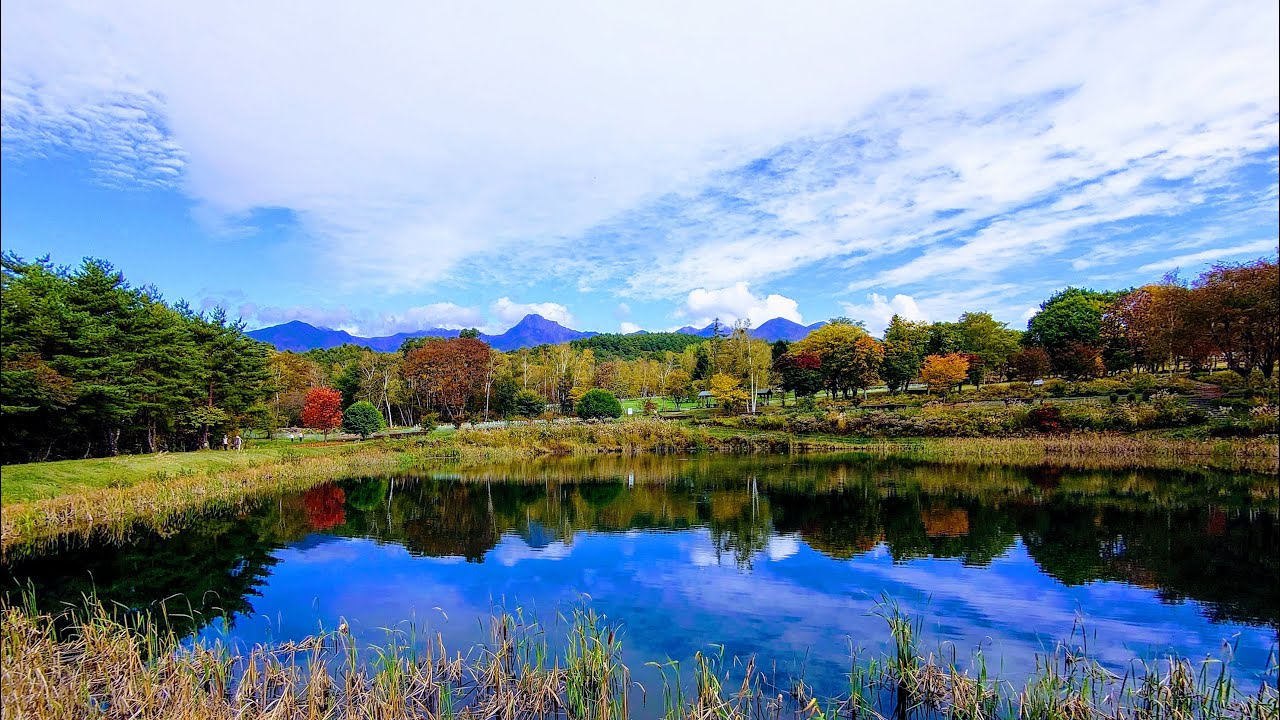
(943, 372)
(450, 372)
(1029, 364)
(728, 393)
(905, 345)
(323, 409)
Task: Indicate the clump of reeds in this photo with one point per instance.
(1094, 451)
(97, 662)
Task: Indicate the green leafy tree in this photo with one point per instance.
(987, 340)
(1070, 317)
(702, 363)
(905, 345)
(363, 419)
(598, 404)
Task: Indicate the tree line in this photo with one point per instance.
(94, 367)
(1230, 314)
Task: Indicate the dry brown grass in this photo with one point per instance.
(100, 664)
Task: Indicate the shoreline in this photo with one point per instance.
(113, 494)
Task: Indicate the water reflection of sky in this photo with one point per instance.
(676, 594)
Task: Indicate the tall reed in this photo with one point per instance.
(98, 662)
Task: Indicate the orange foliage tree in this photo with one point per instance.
(449, 372)
(942, 372)
(322, 409)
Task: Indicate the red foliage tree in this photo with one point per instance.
(449, 372)
(322, 409)
(325, 506)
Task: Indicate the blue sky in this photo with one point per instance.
(638, 167)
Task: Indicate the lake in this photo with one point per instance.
(788, 558)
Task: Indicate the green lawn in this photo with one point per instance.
(36, 481)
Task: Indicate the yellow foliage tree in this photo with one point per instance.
(942, 372)
(728, 392)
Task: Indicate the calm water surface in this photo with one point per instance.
(785, 558)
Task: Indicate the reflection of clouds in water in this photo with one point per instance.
(511, 550)
(338, 550)
(674, 597)
(782, 547)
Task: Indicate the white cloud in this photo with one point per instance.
(1247, 251)
(736, 302)
(629, 327)
(439, 143)
(880, 310)
(506, 313)
(425, 317)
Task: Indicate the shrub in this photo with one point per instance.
(362, 419)
(529, 404)
(1046, 418)
(598, 404)
(1226, 380)
(1114, 398)
(1056, 388)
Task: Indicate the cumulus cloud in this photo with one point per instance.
(734, 303)
(629, 327)
(877, 312)
(506, 312)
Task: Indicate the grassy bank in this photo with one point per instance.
(100, 663)
(108, 495)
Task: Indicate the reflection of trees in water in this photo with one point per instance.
(1217, 558)
(198, 574)
(1186, 536)
(325, 506)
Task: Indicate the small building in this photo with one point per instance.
(705, 399)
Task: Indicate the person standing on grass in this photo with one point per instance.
(239, 443)
(225, 442)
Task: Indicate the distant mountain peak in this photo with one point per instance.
(532, 330)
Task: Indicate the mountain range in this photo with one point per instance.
(532, 330)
